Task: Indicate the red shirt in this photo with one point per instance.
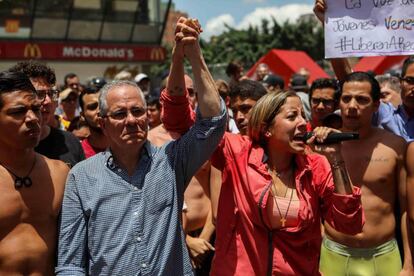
(176, 112)
(88, 149)
(309, 126)
(242, 241)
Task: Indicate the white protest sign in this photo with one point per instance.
(355, 28)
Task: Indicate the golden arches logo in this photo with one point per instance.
(32, 51)
(157, 54)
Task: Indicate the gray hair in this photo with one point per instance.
(391, 81)
(103, 105)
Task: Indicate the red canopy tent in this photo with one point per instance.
(379, 65)
(285, 63)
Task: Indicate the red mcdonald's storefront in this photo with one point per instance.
(84, 59)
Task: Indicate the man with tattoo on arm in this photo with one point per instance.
(197, 217)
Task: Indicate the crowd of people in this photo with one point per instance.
(208, 176)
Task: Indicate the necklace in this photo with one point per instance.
(24, 180)
(283, 219)
(275, 177)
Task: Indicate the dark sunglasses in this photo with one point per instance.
(409, 80)
(52, 93)
(317, 101)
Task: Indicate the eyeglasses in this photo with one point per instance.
(409, 80)
(121, 115)
(52, 93)
(317, 101)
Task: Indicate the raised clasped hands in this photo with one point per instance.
(187, 33)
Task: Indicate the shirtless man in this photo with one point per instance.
(410, 185)
(28, 213)
(375, 163)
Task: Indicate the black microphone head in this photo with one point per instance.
(333, 137)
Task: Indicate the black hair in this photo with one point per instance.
(35, 69)
(322, 83)
(86, 91)
(69, 76)
(14, 81)
(407, 62)
(248, 89)
(233, 67)
(274, 80)
(154, 101)
(77, 123)
(364, 77)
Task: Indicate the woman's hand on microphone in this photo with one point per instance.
(331, 151)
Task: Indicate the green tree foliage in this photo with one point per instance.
(249, 45)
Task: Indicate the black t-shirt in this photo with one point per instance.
(61, 145)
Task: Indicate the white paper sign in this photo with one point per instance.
(355, 28)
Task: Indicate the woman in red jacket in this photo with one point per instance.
(274, 194)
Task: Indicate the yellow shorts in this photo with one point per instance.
(337, 260)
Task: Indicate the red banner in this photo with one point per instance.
(80, 51)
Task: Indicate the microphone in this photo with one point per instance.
(333, 137)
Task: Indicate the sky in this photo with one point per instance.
(213, 14)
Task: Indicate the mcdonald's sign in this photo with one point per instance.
(157, 54)
(32, 51)
(80, 51)
(12, 26)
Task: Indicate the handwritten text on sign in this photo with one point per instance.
(369, 28)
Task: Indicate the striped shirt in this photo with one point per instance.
(116, 224)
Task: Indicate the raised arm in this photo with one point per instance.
(197, 145)
(175, 82)
(176, 112)
(207, 94)
(341, 66)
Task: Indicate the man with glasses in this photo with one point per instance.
(32, 185)
(400, 120)
(54, 143)
(323, 101)
(121, 209)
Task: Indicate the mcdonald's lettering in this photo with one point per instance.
(32, 51)
(157, 54)
(12, 26)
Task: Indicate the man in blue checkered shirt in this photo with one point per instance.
(121, 208)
